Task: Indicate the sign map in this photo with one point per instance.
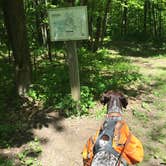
(69, 23)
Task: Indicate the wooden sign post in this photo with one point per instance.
(70, 24)
(73, 69)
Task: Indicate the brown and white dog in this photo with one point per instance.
(113, 144)
(107, 156)
(114, 100)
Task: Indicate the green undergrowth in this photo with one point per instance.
(51, 86)
(98, 72)
(28, 157)
(158, 131)
(100, 113)
(149, 113)
(6, 162)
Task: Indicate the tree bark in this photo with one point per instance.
(124, 19)
(83, 2)
(91, 7)
(104, 21)
(98, 33)
(160, 23)
(38, 24)
(154, 21)
(150, 17)
(49, 45)
(145, 16)
(16, 28)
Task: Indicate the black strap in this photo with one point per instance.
(120, 157)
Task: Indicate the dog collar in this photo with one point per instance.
(114, 116)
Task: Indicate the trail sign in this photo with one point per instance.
(69, 23)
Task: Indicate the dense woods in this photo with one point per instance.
(26, 22)
(35, 78)
(25, 34)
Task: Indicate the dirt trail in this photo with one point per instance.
(64, 147)
(62, 141)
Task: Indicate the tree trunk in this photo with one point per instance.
(91, 23)
(15, 24)
(125, 18)
(38, 24)
(145, 16)
(49, 45)
(160, 23)
(70, 2)
(97, 34)
(150, 17)
(154, 21)
(83, 2)
(104, 21)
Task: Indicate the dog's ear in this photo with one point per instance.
(104, 98)
(124, 101)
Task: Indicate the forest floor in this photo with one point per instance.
(62, 140)
(64, 147)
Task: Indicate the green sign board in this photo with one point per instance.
(69, 23)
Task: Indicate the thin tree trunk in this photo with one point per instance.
(159, 19)
(49, 45)
(70, 2)
(150, 17)
(44, 33)
(98, 33)
(160, 23)
(91, 29)
(83, 2)
(124, 19)
(38, 24)
(9, 54)
(91, 23)
(154, 21)
(145, 17)
(104, 21)
(15, 24)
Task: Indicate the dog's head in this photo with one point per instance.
(113, 100)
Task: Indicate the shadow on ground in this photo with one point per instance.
(19, 116)
(135, 49)
(16, 127)
(98, 71)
